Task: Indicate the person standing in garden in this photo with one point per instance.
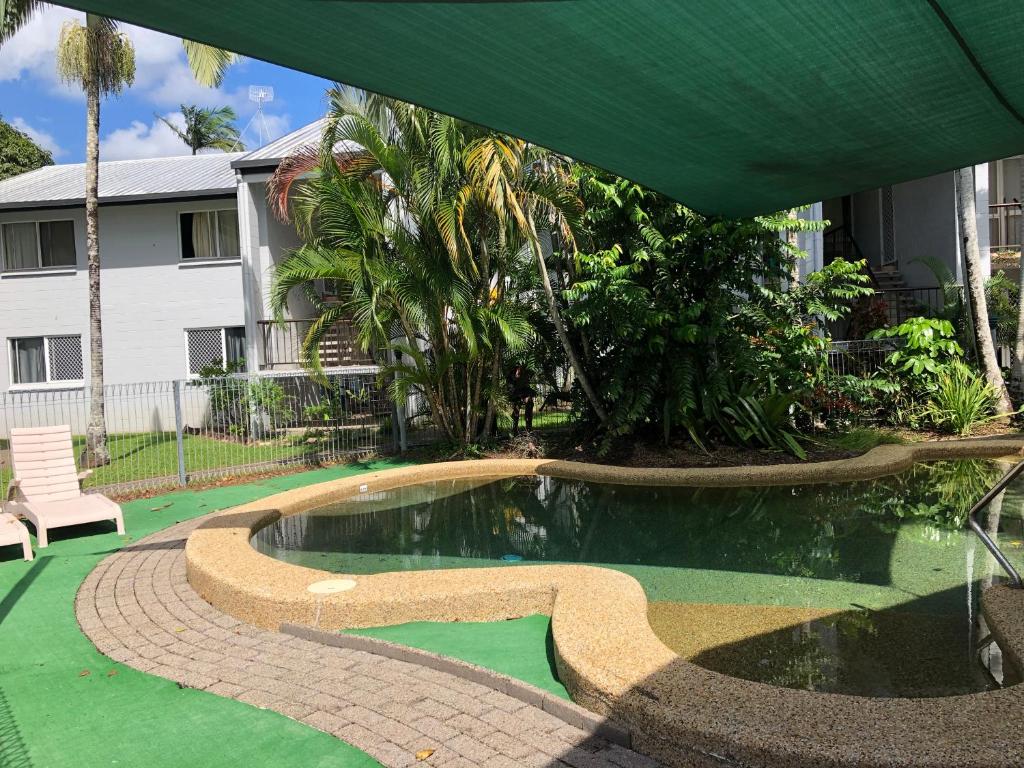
(520, 395)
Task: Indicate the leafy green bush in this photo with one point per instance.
(962, 400)
(929, 346)
(927, 352)
(244, 408)
(687, 320)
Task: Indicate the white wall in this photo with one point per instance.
(149, 296)
(925, 226)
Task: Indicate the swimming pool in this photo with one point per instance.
(867, 588)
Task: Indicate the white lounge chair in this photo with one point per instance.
(47, 486)
(13, 532)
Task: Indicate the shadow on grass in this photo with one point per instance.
(13, 750)
(16, 592)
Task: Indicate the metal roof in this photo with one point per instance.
(123, 181)
(274, 152)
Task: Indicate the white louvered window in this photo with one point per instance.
(38, 245)
(215, 348)
(46, 360)
(209, 235)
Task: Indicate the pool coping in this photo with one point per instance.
(606, 653)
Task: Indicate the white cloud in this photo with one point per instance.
(142, 140)
(30, 52)
(162, 75)
(42, 138)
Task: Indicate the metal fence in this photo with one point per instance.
(838, 400)
(175, 433)
(900, 304)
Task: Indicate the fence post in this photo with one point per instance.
(178, 432)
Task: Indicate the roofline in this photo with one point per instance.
(160, 197)
(259, 162)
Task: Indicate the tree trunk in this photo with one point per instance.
(1018, 346)
(95, 453)
(556, 318)
(793, 238)
(968, 222)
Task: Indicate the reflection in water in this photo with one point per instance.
(883, 571)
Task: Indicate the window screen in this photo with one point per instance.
(65, 356)
(205, 348)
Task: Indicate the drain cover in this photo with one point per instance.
(329, 586)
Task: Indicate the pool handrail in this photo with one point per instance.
(990, 545)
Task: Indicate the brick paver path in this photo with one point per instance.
(138, 608)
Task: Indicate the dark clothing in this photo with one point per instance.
(521, 395)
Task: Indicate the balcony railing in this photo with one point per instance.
(1004, 226)
(281, 345)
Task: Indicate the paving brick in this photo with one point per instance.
(138, 607)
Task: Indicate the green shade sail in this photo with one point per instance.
(731, 107)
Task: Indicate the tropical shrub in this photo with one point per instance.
(961, 400)
(241, 407)
(686, 321)
(1002, 295)
(926, 349)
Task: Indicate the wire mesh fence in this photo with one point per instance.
(168, 434)
(171, 433)
(845, 395)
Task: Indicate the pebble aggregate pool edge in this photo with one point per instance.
(138, 608)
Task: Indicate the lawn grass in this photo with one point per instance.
(62, 703)
(152, 455)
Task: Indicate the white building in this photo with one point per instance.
(186, 244)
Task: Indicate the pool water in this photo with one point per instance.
(867, 588)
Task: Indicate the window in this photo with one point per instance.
(38, 245)
(46, 359)
(209, 235)
(208, 347)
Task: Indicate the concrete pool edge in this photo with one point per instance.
(607, 655)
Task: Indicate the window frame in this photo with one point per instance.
(223, 345)
(39, 248)
(219, 258)
(48, 383)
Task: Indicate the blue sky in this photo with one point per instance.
(34, 100)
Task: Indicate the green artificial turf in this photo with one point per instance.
(520, 648)
(62, 703)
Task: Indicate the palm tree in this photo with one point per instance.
(968, 223)
(427, 272)
(521, 182)
(100, 58)
(207, 128)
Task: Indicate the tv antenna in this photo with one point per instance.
(260, 95)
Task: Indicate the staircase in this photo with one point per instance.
(901, 301)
